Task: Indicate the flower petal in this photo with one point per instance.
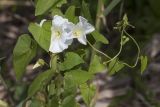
(83, 39)
(57, 46)
(58, 20)
(88, 28)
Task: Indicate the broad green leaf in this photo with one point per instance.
(71, 60)
(69, 86)
(99, 37)
(53, 102)
(59, 3)
(57, 11)
(87, 93)
(41, 34)
(86, 12)
(115, 66)
(51, 89)
(38, 83)
(43, 6)
(96, 65)
(144, 61)
(47, 25)
(23, 53)
(111, 6)
(78, 76)
(70, 13)
(69, 101)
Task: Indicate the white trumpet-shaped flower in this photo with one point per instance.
(80, 30)
(59, 35)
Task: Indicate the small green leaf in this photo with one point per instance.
(41, 34)
(38, 83)
(115, 66)
(52, 89)
(144, 61)
(78, 76)
(86, 11)
(69, 86)
(99, 37)
(57, 11)
(43, 6)
(69, 101)
(87, 93)
(53, 102)
(71, 60)
(96, 65)
(23, 53)
(70, 13)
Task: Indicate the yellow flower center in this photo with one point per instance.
(57, 33)
(77, 33)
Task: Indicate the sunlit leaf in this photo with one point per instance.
(87, 92)
(38, 83)
(69, 101)
(96, 65)
(57, 11)
(70, 13)
(71, 60)
(43, 6)
(144, 61)
(78, 76)
(41, 34)
(99, 37)
(115, 66)
(86, 11)
(24, 52)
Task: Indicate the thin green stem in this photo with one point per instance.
(120, 50)
(121, 47)
(98, 50)
(138, 53)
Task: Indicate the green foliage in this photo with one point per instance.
(67, 70)
(53, 102)
(70, 13)
(78, 76)
(41, 34)
(85, 11)
(87, 92)
(39, 82)
(69, 101)
(115, 66)
(99, 37)
(96, 66)
(144, 61)
(56, 11)
(24, 52)
(71, 60)
(43, 6)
